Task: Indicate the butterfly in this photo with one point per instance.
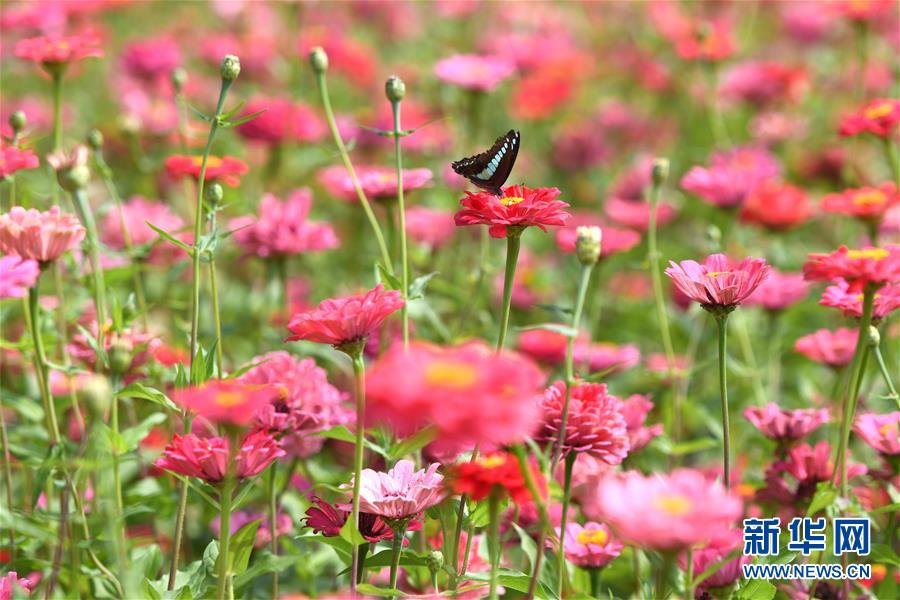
(490, 170)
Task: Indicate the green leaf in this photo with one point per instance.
(514, 580)
(351, 534)
(233, 111)
(269, 563)
(368, 588)
(94, 344)
(110, 441)
(149, 591)
(882, 553)
(246, 368)
(413, 443)
(569, 332)
(756, 589)
(825, 496)
(200, 113)
(143, 392)
(340, 432)
(243, 120)
(170, 238)
(132, 436)
(389, 280)
(241, 546)
(418, 285)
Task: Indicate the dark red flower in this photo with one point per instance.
(328, 519)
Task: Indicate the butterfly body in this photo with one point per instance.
(490, 169)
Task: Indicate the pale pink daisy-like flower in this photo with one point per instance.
(779, 291)
(137, 214)
(663, 512)
(590, 546)
(832, 348)
(400, 493)
(718, 283)
(786, 425)
(378, 183)
(473, 71)
(40, 236)
(283, 228)
(430, 227)
(881, 432)
(17, 274)
(887, 300)
(732, 176)
(206, 458)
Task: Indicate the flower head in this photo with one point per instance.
(779, 291)
(71, 167)
(590, 545)
(151, 59)
(865, 203)
(40, 236)
(59, 50)
(14, 159)
(832, 348)
(881, 432)
(635, 409)
(206, 458)
(713, 553)
(474, 72)
(284, 121)
(777, 206)
(137, 212)
(858, 267)
(400, 493)
(763, 83)
(732, 176)
(227, 401)
(17, 274)
(328, 520)
(786, 425)
(226, 169)
(378, 183)
(517, 208)
(612, 239)
(887, 300)
(718, 283)
(879, 117)
(430, 227)
(793, 481)
(492, 473)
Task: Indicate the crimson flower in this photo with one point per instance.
(858, 267)
(777, 206)
(519, 207)
(717, 283)
(486, 474)
(865, 203)
(879, 117)
(227, 169)
(206, 458)
(14, 159)
(59, 50)
(328, 520)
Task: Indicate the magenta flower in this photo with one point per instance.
(881, 432)
(151, 59)
(792, 482)
(786, 425)
(612, 241)
(328, 520)
(779, 291)
(40, 236)
(400, 493)
(606, 356)
(283, 121)
(635, 214)
(136, 214)
(283, 228)
(887, 300)
(59, 50)
(474, 72)
(347, 320)
(832, 348)
(732, 176)
(714, 552)
(430, 227)
(227, 401)
(591, 545)
(205, 458)
(519, 207)
(717, 283)
(14, 159)
(17, 274)
(378, 183)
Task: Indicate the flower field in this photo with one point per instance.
(457, 298)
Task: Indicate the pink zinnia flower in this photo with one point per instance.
(59, 50)
(786, 425)
(732, 176)
(128, 341)
(887, 299)
(865, 203)
(635, 410)
(137, 214)
(664, 512)
(430, 227)
(879, 117)
(792, 482)
(832, 348)
(777, 206)
(881, 432)
(858, 267)
(713, 553)
(595, 423)
(760, 82)
(11, 580)
(470, 393)
(282, 122)
(228, 401)
(779, 291)
(606, 356)
(612, 241)
(635, 214)
(718, 282)
(517, 208)
(400, 493)
(378, 183)
(40, 236)
(206, 458)
(590, 546)
(14, 159)
(283, 228)
(347, 320)
(17, 274)
(152, 59)
(474, 72)
(226, 169)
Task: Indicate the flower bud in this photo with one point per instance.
(214, 194)
(318, 59)
(18, 121)
(435, 561)
(394, 88)
(97, 394)
(71, 168)
(660, 170)
(874, 337)
(587, 244)
(179, 78)
(95, 140)
(231, 67)
(120, 357)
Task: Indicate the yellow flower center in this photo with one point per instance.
(592, 536)
(745, 490)
(451, 374)
(873, 198)
(229, 399)
(674, 504)
(872, 253)
(510, 200)
(888, 429)
(876, 111)
(492, 461)
(717, 273)
(211, 162)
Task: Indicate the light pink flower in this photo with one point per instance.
(283, 228)
(378, 183)
(635, 214)
(612, 241)
(591, 545)
(138, 213)
(17, 274)
(881, 432)
(40, 236)
(887, 300)
(474, 72)
(786, 425)
(400, 493)
(832, 348)
(606, 356)
(732, 176)
(206, 458)
(430, 227)
(635, 409)
(718, 282)
(779, 291)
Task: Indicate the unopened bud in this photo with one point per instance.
(435, 561)
(874, 336)
(587, 244)
(214, 194)
(179, 78)
(394, 88)
(231, 67)
(120, 357)
(71, 168)
(660, 170)
(95, 140)
(318, 59)
(18, 121)
(96, 392)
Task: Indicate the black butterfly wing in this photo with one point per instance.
(490, 170)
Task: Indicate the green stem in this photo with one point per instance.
(227, 492)
(494, 539)
(359, 374)
(885, 374)
(457, 536)
(567, 492)
(396, 548)
(345, 158)
(404, 259)
(79, 199)
(689, 576)
(513, 242)
(179, 516)
(119, 520)
(775, 335)
(217, 319)
(273, 520)
(7, 475)
(722, 322)
(893, 159)
(40, 365)
(636, 566)
(56, 76)
(595, 573)
(546, 523)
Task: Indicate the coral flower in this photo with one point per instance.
(228, 401)
(717, 283)
(712, 554)
(226, 169)
(663, 512)
(14, 159)
(858, 267)
(136, 214)
(832, 348)
(881, 432)
(595, 422)
(40, 236)
(887, 300)
(282, 122)
(731, 176)
(59, 50)
(879, 117)
(779, 291)
(348, 320)
(777, 206)
(378, 183)
(590, 546)
(490, 473)
(474, 72)
(865, 203)
(786, 425)
(430, 227)
(519, 207)
(283, 228)
(328, 520)
(17, 274)
(470, 393)
(206, 458)
(400, 493)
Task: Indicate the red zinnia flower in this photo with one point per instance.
(858, 267)
(716, 282)
(777, 206)
(498, 471)
(227, 169)
(340, 321)
(878, 117)
(58, 50)
(206, 458)
(518, 207)
(226, 401)
(832, 348)
(865, 203)
(14, 159)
